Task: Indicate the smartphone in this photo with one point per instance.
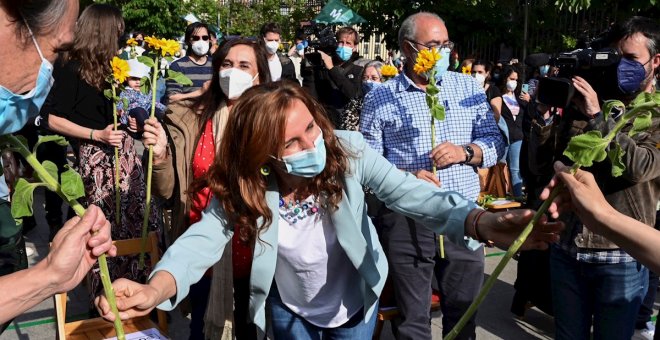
(525, 88)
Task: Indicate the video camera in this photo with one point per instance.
(596, 66)
(324, 40)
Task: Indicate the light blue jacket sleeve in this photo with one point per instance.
(442, 211)
(199, 248)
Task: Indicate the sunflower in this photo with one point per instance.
(466, 69)
(131, 42)
(169, 47)
(388, 71)
(154, 42)
(426, 60)
(119, 69)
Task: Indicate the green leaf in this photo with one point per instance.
(641, 124)
(72, 185)
(169, 59)
(108, 94)
(178, 77)
(432, 90)
(125, 102)
(616, 158)
(61, 141)
(431, 101)
(21, 202)
(438, 112)
(146, 61)
(23, 140)
(586, 148)
(144, 86)
(609, 105)
(51, 169)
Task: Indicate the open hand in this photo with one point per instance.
(133, 300)
(504, 227)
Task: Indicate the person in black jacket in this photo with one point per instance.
(280, 65)
(336, 79)
(514, 108)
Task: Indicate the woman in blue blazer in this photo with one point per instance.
(293, 187)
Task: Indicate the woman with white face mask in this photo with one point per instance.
(291, 187)
(481, 73)
(196, 65)
(514, 111)
(195, 130)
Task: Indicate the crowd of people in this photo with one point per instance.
(283, 181)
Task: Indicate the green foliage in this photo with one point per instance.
(586, 148)
(178, 77)
(72, 185)
(154, 17)
(147, 61)
(568, 42)
(609, 105)
(641, 124)
(51, 170)
(616, 159)
(59, 140)
(21, 202)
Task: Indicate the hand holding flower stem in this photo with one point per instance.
(583, 150)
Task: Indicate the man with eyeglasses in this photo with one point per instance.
(396, 122)
(196, 65)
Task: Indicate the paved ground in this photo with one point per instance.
(494, 319)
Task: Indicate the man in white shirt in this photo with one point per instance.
(280, 65)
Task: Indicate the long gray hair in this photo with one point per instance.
(41, 15)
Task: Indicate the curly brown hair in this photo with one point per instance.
(97, 41)
(254, 133)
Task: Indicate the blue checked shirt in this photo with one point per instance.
(395, 121)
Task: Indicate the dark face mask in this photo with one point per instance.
(630, 75)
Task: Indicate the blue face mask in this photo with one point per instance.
(442, 65)
(543, 70)
(16, 109)
(344, 52)
(369, 85)
(307, 163)
(630, 75)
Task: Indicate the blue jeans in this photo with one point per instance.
(513, 158)
(610, 293)
(288, 325)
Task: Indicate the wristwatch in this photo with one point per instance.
(469, 153)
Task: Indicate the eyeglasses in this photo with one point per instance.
(197, 37)
(447, 45)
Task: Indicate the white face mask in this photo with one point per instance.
(272, 46)
(200, 47)
(511, 85)
(234, 82)
(480, 78)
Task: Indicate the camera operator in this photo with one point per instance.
(334, 79)
(592, 279)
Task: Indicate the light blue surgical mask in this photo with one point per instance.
(543, 70)
(344, 52)
(307, 163)
(442, 65)
(17, 109)
(370, 85)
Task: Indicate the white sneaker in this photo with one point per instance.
(29, 251)
(648, 332)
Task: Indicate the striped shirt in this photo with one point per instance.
(199, 74)
(395, 121)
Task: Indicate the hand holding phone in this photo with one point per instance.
(525, 88)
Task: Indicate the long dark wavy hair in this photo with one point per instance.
(208, 103)
(97, 41)
(254, 133)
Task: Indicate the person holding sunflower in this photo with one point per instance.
(77, 108)
(400, 120)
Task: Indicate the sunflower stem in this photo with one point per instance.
(147, 203)
(117, 190)
(53, 184)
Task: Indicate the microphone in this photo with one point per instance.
(537, 59)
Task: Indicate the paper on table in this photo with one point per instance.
(500, 202)
(147, 334)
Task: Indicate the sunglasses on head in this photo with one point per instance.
(197, 37)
